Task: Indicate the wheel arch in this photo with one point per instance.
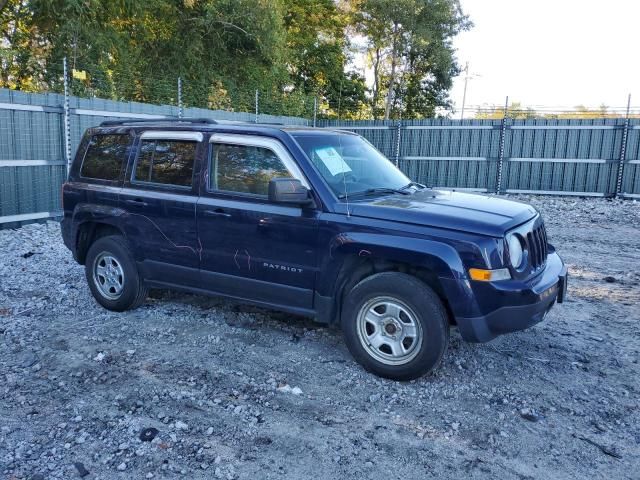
(90, 231)
(354, 258)
(92, 222)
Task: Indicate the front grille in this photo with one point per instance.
(537, 246)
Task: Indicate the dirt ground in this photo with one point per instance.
(239, 392)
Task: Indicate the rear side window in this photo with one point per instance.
(105, 156)
(168, 162)
(245, 169)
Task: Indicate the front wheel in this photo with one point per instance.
(395, 326)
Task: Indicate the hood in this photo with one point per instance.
(466, 212)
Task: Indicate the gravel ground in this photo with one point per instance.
(239, 392)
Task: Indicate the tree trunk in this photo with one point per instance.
(376, 83)
(392, 79)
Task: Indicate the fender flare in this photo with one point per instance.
(93, 213)
(347, 250)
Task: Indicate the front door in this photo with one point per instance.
(252, 248)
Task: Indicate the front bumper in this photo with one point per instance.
(508, 306)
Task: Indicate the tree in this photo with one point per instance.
(515, 110)
(410, 47)
(318, 56)
(136, 50)
(291, 51)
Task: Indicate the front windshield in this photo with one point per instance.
(350, 164)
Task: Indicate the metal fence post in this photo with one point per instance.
(503, 129)
(315, 110)
(623, 149)
(397, 146)
(67, 125)
(257, 97)
(179, 97)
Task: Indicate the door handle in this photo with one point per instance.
(217, 213)
(137, 202)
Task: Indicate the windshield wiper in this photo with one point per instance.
(419, 186)
(374, 191)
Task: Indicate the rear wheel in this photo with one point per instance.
(395, 326)
(112, 275)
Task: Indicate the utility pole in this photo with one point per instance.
(464, 95)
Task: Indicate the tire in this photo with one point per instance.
(112, 275)
(395, 326)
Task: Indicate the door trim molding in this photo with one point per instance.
(251, 206)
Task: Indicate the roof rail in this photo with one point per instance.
(110, 123)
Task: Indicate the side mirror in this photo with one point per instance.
(288, 190)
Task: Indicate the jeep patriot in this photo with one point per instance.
(311, 221)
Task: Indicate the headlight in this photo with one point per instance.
(515, 250)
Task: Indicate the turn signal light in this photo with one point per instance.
(482, 275)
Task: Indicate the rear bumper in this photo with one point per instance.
(65, 230)
(510, 306)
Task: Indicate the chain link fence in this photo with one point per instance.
(504, 152)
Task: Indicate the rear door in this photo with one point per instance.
(252, 248)
(160, 196)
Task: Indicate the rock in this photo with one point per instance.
(148, 434)
(122, 467)
(99, 357)
(149, 475)
(263, 440)
(82, 471)
(181, 425)
(609, 279)
(210, 431)
(530, 415)
(29, 360)
(289, 389)
(374, 398)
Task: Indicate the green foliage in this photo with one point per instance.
(410, 49)
(290, 51)
(515, 110)
(318, 46)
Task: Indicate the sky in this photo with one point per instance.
(553, 53)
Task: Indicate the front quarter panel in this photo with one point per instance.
(348, 237)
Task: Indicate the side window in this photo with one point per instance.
(105, 156)
(168, 162)
(245, 168)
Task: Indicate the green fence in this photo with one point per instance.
(595, 157)
(598, 157)
(33, 144)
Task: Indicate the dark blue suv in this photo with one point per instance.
(312, 221)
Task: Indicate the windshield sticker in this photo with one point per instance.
(332, 160)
